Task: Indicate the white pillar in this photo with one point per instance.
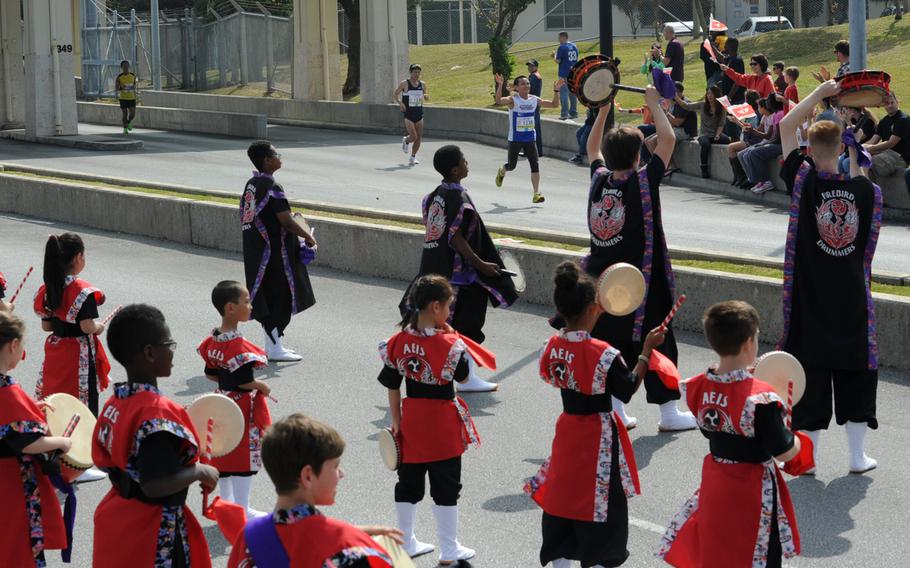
(317, 55)
(50, 86)
(12, 72)
(460, 21)
(383, 48)
(418, 13)
(473, 23)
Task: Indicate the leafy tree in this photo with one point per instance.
(633, 10)
(500, 18)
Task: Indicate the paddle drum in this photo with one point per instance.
(79, 458)
(592, 79)
(864, 89)
(389, 450)
(621, 289)
(513, 269)
(228, 425)
(400, 558)
(778, 368)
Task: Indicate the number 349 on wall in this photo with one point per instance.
(65, 48)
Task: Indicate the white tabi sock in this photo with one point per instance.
(620, 409)
(856, 442)
(671, 419)
(561, 563)
(242, 487)
(226, 489)
(475, 383)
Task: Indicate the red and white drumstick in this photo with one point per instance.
(789, 405)
(273, 399)
(21, 284)
(71, 426)
(679, 302)
(207, 458)
(111, 315)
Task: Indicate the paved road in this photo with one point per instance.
(845, 520)
(370, 170)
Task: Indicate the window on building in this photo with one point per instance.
(565, 15)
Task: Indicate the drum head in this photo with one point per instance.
(777, 368)
(597, 86)
(621, 289)
(866, 96)
(389, 451)
(228, 427)
(65, 406)
(400, 558)
(510, 263)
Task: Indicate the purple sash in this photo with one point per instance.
(263, 543)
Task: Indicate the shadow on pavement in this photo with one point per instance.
(646, 446)
(509, 504)
(823, 512)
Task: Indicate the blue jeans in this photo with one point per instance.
(733, 130)
(754, 160)
(581, 135)
(568, 102)
(843, 164)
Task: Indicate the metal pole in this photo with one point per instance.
(270, 58)
(134, 63)
(418, 13)
(798, 13)
(460, 21)
(156, 48)
(857, 10)
(473, 23)
(605, 19)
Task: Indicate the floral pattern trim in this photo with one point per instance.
(249, 357)
(536, 482)
(603, 475)
(384, 354)
(355, 557)
(172, 520)
(747, 419)
(736, 376)
(23, 427)
(6, 381)
(874, 229)
(254, 438)
(599, 381)
(676, 524)
(455, 354)
(80, 299)
(152, 426)
(469, 434)
(291, 516)
(27, 467)
(771, 478)
(126, 390)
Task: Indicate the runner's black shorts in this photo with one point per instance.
(127, 104)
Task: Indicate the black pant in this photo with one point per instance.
(854, 394)
(530, 150)
(705, 143)
(445, 482)
(539, 141)
(470, 311)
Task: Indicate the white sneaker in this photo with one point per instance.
(762, 187)
(404, 145)
(281, 355)
(253, 513)
(413, 161)
(91, 474)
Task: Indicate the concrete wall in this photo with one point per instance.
(344, 244)
(240, 124)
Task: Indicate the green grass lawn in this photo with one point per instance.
(460, 75)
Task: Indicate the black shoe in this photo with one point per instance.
(746, 184)
(705, 173)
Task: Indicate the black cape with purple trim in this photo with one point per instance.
(283, 288)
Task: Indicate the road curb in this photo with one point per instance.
(393, 252)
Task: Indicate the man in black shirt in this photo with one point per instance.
(890, 146)
(829, 318)
(675, 55)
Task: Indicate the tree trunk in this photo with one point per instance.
(351, 86)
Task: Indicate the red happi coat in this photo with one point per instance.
(312, 540)
(66, 359)
(229, 352)
(130, 532)
(431, 429)
(574, 483)
(735, 498)
(31, 520)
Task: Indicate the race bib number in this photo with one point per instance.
(524, 123)
(415, 99)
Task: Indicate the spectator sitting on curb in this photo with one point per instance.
(711, 131)
(755, 158)
(684, 123)
(757, 123)
(863, 124)
(780, 83)
(890, 146)
(759, 80)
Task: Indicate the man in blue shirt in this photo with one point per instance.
(536, 88)
(566, 56)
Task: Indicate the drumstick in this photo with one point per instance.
(273, 399)
(789, 405)
(676, 306)
(21, 284)
(71, 426)
(111, 315)
(207, 457)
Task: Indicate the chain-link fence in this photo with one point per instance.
(229, 45)
(435, 22)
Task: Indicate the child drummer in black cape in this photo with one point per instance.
(584, 486)
(624, 220)
(432, 425)
(829, 317)
(458, 247)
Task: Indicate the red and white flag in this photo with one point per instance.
(724, 101)
(741, 112)
(710, 49)
(716, 25)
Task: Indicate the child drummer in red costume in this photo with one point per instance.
(230, 361)
(4, 305)
(32, 520)
(74, 358)
(583, 487)
(148, 445)
(742, 515)
(432, 425)
(303, 460)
